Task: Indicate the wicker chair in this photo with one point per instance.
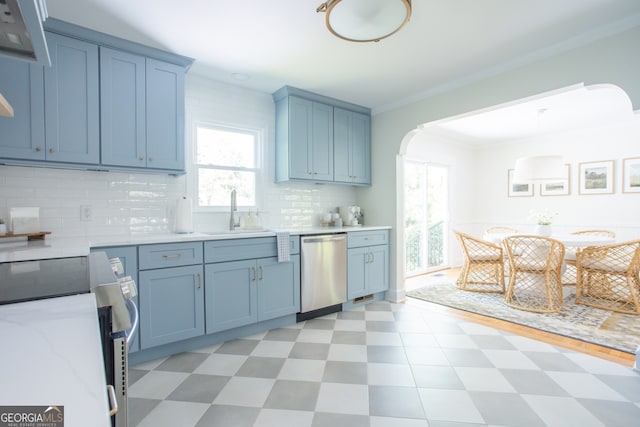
(501, 230)
(483, 268)
(609, 277)
(535, 264)
(569, 275)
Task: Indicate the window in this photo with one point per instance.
(226, 159)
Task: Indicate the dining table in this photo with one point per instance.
(569, 240)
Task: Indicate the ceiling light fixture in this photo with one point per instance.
(539, 169)
(365, 20)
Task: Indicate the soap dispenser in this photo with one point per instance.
(249, 222)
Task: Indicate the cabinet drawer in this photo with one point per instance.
(169, 255)
(356, 239)
(239, 249)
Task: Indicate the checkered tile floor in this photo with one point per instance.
(385, 364)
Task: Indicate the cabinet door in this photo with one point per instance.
(322, 142)
(278, 287)
(300, 137)
(352, 147)
(122, 108)
(360, 153)
(129, 257)
(165, 115)
(377, 269)
(171, 305)
(231, 295)
(356, 272)
(342, 148)
(72, 101)
(22, 136)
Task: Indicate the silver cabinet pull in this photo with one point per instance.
(151, 159)
(199, 281)
(254, 274)
(172, 256)
(141, 157)
(113, 402)
(38, 149)
(52, 150)
(261, 273)
(371, 253)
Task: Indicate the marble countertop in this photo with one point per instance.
(54, 247)
(52, 355)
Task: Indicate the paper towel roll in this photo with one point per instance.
(184, 222)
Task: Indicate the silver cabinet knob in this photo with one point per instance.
(38, 149)
(52, 150)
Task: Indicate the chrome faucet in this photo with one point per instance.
(234, 207)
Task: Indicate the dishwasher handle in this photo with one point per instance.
(319, 239)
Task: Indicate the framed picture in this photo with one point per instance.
(631, 175)
(596, 177)
(518, 190)
(557, 188)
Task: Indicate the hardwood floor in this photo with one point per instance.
(606, 353)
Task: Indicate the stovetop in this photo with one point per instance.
(47, 278)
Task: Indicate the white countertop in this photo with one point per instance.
(51, 355)
(53, 247)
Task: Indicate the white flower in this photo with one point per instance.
(543, 218)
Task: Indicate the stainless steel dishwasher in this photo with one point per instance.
(324, 274)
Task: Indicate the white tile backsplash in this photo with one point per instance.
(121, 203)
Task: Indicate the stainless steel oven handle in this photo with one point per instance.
(113, 402)
(133, 313)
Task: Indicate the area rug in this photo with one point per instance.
(602, 327)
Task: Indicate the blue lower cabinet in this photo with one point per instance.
(357, 272)
(231, 295)
(240, 293)
(278, 287)
(368, 270)
(171, 305)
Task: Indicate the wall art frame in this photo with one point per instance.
(631, 175)
(596, 177)
(557, 188)
(518, 190)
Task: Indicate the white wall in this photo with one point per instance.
(478, 187)
(128, 203)
(618, 211)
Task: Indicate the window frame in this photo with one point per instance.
(258, 169)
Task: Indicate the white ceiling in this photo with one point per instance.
(282, 42)
(576, 108)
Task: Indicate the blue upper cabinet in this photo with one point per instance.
(105, 103)
(321, 139)
(122, 108)
(165, 115)
(352, 147)
(22, 136)
(142, 112)
(309, 146)
(71, 101)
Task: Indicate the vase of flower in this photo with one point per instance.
(543, 222)
(543, 230)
